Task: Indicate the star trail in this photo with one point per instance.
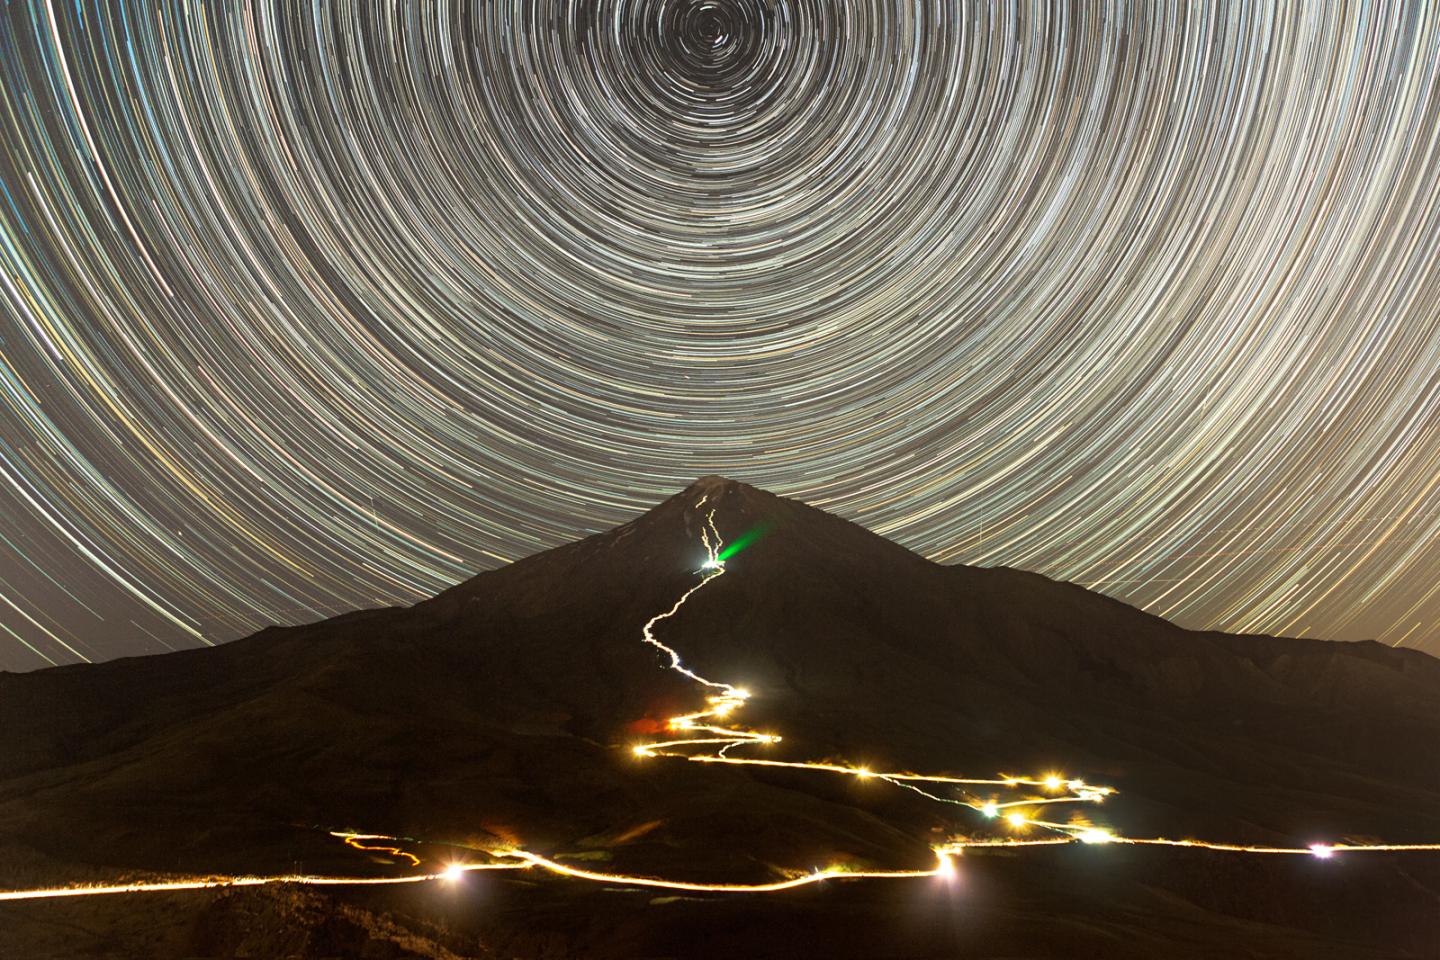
(311, 307)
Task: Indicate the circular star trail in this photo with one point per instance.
(308, 307)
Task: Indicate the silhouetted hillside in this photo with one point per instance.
(502, 709)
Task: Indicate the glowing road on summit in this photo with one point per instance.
(708, 736)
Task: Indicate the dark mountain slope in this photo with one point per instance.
(502, 708)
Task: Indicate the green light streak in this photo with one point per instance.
(743, 541)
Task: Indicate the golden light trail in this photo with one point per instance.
(1060, 789)
(353, 840)
(164, 886)
(943, 867)
(452, 872)
(698, 730)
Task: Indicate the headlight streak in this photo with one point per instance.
(728, 700)
(942, 867)
(353, 840)
(167, 886)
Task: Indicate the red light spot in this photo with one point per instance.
(647, 725)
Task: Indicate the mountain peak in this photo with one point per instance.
(729, 501)
(789, 534)
(714, 486)
(711, 481)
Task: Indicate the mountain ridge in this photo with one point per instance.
(492, 709)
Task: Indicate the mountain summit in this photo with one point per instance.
(503, 710)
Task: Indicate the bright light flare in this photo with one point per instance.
(1095, 835)
(991, 810)
(1322, 851)
(453, 873)
(1016, 819)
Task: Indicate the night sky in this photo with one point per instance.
(311, 307)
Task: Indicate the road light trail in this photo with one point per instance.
(353, 840)
(386, 844)
(164, 886)
(729, 697)
(1061, 790)
(698, 731)
(943, 867)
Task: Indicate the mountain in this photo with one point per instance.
(502, 711)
